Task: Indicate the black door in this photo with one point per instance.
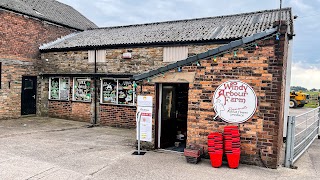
(168, 117)
(173, 113)
(28, 95)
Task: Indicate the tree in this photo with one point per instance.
(313, 90)
(298, 88)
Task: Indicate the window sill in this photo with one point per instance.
(64, 100)
(129, 105)
(81, 101)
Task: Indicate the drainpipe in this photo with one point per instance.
(95, 87)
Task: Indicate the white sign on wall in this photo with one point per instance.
(234, 101)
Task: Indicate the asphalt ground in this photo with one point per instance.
(47, 148)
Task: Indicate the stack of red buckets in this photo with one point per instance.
(228, 143)
(215, 148)
(232, 145)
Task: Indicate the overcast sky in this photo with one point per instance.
(306, 68)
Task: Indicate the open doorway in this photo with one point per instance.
(172, 116)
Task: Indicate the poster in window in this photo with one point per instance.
(125, 92)
(82, 89)
(54, 88)
(109, 93)
(64, 89)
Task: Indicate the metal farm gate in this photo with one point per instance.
(302, 130)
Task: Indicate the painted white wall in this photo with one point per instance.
(287, 90)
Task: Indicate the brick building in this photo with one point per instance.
(95, 76)
(24, 26)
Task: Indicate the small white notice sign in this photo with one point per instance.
(145, 101)
(145, 124)
(144, 118)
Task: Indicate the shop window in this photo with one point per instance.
(82, 89)
(100, 56)
(59, 88)
(116, 91)
(173, 54)
(109, 91)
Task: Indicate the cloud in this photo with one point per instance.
(301, 6)
(305, 77)
(125, 12)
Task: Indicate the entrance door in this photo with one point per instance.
(172, 113)
(168, 116)
(28, 95)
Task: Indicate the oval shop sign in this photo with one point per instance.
(234, 101)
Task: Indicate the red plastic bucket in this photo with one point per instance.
(216, 159)
(215, 135)
(233, 160)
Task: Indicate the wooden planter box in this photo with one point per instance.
(193, 156)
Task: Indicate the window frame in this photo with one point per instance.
(59, 99)
(73, 89)
(173, 54)
(117, 92)
(100, 56)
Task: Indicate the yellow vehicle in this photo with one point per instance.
(298, 99)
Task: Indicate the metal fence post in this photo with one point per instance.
(318, 119)
(293, 126)
(290, 141)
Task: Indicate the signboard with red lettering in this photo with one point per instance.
(144, 118)
(234, 101)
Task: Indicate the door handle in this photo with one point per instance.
(34, 96)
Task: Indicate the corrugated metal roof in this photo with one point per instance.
(203, 29)
(50, 10)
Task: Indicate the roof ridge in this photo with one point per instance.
(31, 9)
(193, 19)
(92, 23)
(62, 38)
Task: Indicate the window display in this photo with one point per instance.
(81, 89)
(59, 88)
(109, 91)
(117, 91)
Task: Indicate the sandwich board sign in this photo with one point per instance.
(144, 118)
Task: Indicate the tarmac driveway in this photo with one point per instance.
(46, 148)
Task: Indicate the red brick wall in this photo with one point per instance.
(20, 38)
(81, 111)
(118, 116)
(77, 111)
(60, 109)
(262, 69)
